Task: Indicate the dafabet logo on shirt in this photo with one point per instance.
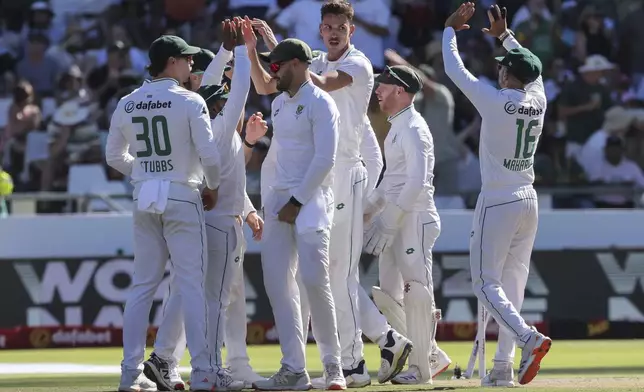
(511, 108)
(149, 105)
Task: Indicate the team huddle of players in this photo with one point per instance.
(321, 205)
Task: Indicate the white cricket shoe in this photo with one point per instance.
(410, 377)
(220, 381)
(164, 373)
(246, 375)
(499, 376)
(439, 362)
(285, 380)
(334, 377)
(135, 381)
(394, 350)
(357, 377)
(532, 353)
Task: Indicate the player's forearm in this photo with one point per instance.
(264, 84)
(212, 174)
(370, 151)
(318, 170)
(248, 205)
(116, 153)
(328, 82)
(215, 71)
(240, 85)
(122, 163)
(454, 67)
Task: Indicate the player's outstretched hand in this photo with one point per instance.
(239, 31)
(209, 198)
(498, 21)
(256, 225)
(266, 32)
(249, 35)
(458, 20)
(256, 127)
(229, 35)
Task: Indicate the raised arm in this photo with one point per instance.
(353, 69)
(371, 155)
(264, 83)
(324, 118)
(116, 151)
(215, 71)
(204, 142)
(239, 87)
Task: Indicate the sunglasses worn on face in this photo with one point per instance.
(275, 67)
(392, 73)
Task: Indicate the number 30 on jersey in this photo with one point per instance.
(154, 134)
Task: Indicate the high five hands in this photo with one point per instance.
(458, 20)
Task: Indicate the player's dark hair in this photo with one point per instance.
(337, 7)
(154, 70)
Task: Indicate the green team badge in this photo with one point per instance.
(299, 110)
(409, 251)
(340, 206)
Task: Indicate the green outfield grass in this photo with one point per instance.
(601, 365)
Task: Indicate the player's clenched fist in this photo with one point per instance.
(256, 127)
(209, 198)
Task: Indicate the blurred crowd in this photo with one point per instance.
(64, 65)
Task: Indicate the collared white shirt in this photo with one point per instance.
(512, 120)
(626, 171)
(409, 153)
(352, 101)
(168, 128)
(305, 140)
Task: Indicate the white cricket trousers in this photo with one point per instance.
(347, 232)
(285, 251)
(225, 250)
(503, 232)
(409, 258)
(179, 234)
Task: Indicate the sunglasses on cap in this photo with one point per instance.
(391, 73)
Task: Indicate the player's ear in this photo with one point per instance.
(352, 28)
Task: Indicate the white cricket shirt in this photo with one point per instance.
(352, 101)
(409, 153)
(512, 120)
(169, 129)
(305, 133)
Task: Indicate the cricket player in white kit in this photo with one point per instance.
(298, 209)
(347, 75)
(403, 221)
(169, 130)
(506, 215)
(225, 237)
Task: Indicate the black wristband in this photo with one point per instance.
(248, 144)
(294, 201)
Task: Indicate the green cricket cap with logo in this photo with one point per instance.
(168, 46)
(213, 92)
(288, 49)
(403, 76)
(522, 64)
(201, 60)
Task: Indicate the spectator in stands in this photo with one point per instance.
(74, 138)
(371, 19)
(24, 116)
(40, 21)
(70, 86)
(250, 8)
(301, 20)
(537, 33)
(530, 8)
(583, 102)
(104, 80)
(617, 121)
(615, 169)
(593, 36)
(38, 68)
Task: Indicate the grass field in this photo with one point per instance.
(600, 365)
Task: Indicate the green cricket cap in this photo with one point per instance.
(522, 64)
(288, 49)
(168, 46)
(201, 60)
(403, 76)
(213, 92)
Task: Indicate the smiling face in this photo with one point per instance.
(387, 95)
(282, 72)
